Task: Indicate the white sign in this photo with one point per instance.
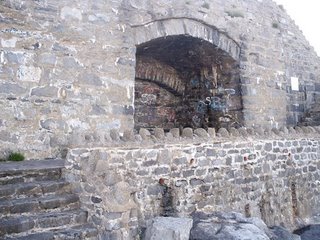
(295, 84)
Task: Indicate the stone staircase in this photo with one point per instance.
(36, 202)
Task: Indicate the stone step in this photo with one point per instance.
(34, 189)
(30, 171)
(37, 204)
(41, 222)
(29, 176)
(78, 232)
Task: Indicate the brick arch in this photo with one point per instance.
(186, 26)
(160, 73)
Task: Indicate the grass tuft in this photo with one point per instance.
(16, 157)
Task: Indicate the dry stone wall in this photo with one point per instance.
(68, 67)
(273, 175)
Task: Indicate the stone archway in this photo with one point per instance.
(187, 75)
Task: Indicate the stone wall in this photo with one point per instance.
(273, 50)
(62, 72)
(68, 67)
(269, 174)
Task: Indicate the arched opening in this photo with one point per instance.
(186, 81)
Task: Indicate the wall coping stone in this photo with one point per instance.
(195, 136)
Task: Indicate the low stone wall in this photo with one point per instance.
(269, 174)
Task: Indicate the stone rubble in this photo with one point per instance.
(231, 226)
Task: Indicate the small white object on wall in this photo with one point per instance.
(295, 84)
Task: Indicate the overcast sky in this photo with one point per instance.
(306, 14)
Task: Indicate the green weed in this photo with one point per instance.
(16, 157)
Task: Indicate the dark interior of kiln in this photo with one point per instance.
(182, 81)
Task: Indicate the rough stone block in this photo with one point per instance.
(95, 199)
(159, 133)
(155, 189)
(168, 228)
(229, 161)
(268, 147)
(212, 132)
(243, 132)
(102, 166)
(234, 132)
(114, 134)
(45, 92)
(204, 163)
(8, 137)
(161, 170)
(251, 131)
(200, 172)
(306, 130)
(181, 183)
(276, 131)
(299, 130)
(51, 124)
(211, 152)
(222, 132)
(128, 136)
(187, 133)
(196, 181)
(90, 79)
(180, 161)
(280, 233)
(144, 133)
(292, 130)
(175, 132)
(142, 173)
(200, 132)
(149, 163)
(164, 156)
(16, 225)
(119, 198)
(188, 173)
(113, 235)
(227, 226)
(285, 130)
(29, 73)
(312, 129)
(97, 110)
(260, 131)
(10, 88)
